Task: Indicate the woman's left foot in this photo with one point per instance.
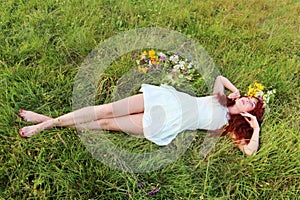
(33, 117)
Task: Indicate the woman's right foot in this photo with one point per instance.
(33, 117)
(29, 131)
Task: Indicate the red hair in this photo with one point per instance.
(237, 124)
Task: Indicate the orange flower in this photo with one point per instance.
(154, 60)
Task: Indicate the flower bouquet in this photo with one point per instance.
(172, 67)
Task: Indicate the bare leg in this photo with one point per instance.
(132, 124)
(129, 123)
(33, 117)
(127, 106)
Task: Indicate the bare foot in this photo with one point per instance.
(29, 131)
(33, 117)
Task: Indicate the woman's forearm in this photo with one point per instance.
(227, 84)
(253, 144)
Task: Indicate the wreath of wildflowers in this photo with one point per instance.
(258, 90)
(175, 67)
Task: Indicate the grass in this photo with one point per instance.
(42, 45)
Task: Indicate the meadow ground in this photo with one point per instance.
(43, 44)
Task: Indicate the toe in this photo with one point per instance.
(21, 112)
(22, 133)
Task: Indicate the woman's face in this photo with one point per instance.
(245, 104)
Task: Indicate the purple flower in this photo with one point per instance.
(141, 184)
(260, 99)
(163, 58)
(153, 192)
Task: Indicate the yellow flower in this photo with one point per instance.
(250, 87)
(259, 86)
(251, 91)
(143, 55)
(152, 54)
(142, 69)
(255, 90)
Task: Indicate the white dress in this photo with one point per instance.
(167, 112)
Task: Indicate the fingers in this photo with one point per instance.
(246, 115)
(249, 121)
(253, 121)
(234, 95)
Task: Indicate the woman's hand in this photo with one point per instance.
(251, 119)
(234, 95)
(253, 144)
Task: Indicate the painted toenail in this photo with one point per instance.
(20, 112)
(22, 132)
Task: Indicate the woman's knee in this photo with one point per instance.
(104, 111)
(107, 124)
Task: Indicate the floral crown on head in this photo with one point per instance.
(258, 91)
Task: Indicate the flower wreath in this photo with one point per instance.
(258, 91)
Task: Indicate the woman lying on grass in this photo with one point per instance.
(161, 112)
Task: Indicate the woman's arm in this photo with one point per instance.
(253, 144)
(228, 85)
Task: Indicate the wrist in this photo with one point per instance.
(257, 128)
(235, 90)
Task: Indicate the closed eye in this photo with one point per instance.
(253, 103)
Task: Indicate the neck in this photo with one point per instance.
(233, 110)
